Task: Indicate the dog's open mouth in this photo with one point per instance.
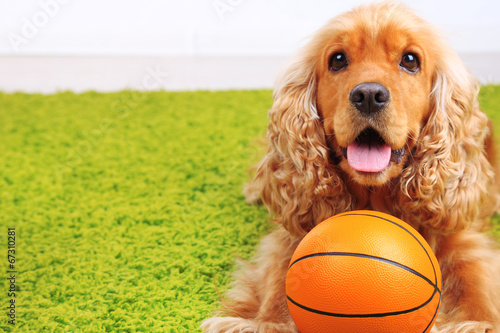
(370, 153)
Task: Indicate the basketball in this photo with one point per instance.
(363, 271)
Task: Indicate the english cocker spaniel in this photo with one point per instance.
(376, 112)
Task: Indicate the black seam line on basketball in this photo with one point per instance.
(367, 256)
(382, 218)
(363, 315)
(435, 314)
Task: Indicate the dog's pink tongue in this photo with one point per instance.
(368, 158)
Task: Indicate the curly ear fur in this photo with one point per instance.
(446, 183)
(296, 179)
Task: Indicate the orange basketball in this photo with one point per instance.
(363, 271)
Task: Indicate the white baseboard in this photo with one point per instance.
(51, 74)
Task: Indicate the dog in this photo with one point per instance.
(376, 112)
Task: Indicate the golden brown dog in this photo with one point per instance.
(376, 112)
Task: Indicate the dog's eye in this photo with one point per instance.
(410, 62)
(338, 61)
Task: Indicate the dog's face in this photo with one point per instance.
(373, 88)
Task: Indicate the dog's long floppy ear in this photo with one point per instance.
(297, 182)
(447, 183)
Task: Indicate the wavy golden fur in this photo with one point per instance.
(441, 180)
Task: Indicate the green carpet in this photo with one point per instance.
(127, 207)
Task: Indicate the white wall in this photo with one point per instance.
(108, 45)
(209, 27)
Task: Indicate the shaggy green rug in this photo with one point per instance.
(127, 207)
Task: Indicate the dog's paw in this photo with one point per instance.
(228, 325)
(240, 325)
(466, 327)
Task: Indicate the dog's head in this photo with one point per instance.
(376, 98)
(374, 78)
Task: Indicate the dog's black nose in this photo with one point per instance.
(370, 97)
